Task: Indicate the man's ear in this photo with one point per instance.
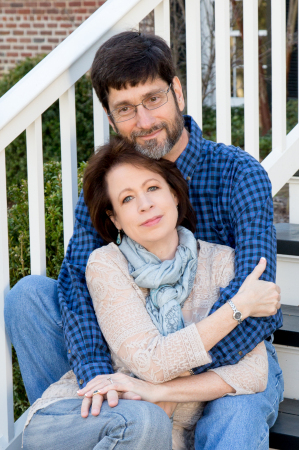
(110, 121)
(178, 90)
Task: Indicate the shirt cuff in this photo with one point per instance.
(198, 354)
(86, 373)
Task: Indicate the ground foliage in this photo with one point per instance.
(19, 245)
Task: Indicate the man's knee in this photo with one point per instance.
(25, 297)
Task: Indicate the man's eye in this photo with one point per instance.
(124, 110)
(127, 199)
(153, 188)
(154, 99)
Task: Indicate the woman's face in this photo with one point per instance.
(144, 207)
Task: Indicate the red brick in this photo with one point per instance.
(25, 40)
(59, 4)
(46, 33)
(12, 54)
(32, 47)
(24, 25)
(52, 25)
(3, 33)
(89, 4)
(38, 25)
(80, 11)
(91, 11)
(38, 11)
(66, 25)
(18, 33)
(74, 4)
(18, 47)
(11, 25)
(10, 11)
(26, 55)
(53, 41)
(60, 33)
(11, 40)
(31, 33)
(24, 11)
(4, 47)
(46, 47)
(32, 4)
(52, 11)
(45, 4)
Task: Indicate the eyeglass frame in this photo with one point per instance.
(135, 106)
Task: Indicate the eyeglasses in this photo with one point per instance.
(153, 101)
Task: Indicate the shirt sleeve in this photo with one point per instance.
(251, 223)
(87, 350)
(128, 328)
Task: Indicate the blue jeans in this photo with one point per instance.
(131, 425)
(34, 325)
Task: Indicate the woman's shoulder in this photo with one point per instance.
(108, 254)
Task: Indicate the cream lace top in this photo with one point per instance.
(136, 345)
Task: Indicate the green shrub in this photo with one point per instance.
(16, 164)
(19, 252)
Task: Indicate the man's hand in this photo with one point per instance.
(96, 401)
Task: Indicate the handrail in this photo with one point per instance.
(55, 74)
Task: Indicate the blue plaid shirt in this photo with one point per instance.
(231, 194)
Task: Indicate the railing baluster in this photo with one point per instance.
(223, 81)
(251, 80)
(6, 389)
(278, 23)
(100, 122)
(162, 20)
(67, 110)
(193, 49)
(36, 198)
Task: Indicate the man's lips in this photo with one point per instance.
(152, 221)
(151, 135)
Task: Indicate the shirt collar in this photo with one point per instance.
(189, 158)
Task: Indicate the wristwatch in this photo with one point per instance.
(237, 315)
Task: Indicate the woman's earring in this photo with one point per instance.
(118, 240)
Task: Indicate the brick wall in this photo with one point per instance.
(29, 28)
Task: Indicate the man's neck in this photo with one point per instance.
(179, 147)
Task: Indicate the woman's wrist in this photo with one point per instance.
(241, 303)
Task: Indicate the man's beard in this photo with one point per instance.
(152, 148)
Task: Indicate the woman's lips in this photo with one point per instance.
(152, 221)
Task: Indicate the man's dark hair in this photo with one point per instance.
(130, 58)
(118, 152)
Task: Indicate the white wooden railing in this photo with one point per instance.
(54, 78)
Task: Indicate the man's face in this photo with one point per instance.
(154, 132)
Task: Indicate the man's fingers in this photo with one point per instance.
(129, 396)
(258, 270)
(86, 402)
(97, 401)
(112, 398)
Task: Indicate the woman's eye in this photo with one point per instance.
(153, 188)
(127, 199)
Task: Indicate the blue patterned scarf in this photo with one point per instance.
(170, 282)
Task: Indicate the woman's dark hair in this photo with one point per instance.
(95, 188)
(130, 58)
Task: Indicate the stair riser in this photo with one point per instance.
(288, 279)
(288, 358)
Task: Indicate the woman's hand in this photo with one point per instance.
(257, 298)
(96, 401)
(125, 386)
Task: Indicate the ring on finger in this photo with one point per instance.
(96, 392)
(110, 379)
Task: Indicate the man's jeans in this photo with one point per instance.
(34, 325)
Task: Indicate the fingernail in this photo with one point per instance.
(263, 259)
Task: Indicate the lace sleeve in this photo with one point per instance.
(120, 309)
(250, 374)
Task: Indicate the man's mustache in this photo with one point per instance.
(149, 131)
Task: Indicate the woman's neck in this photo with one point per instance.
(166, 249)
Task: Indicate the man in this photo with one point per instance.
(231, 194)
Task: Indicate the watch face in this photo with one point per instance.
(238, 315)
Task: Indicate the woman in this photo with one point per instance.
(152, 295)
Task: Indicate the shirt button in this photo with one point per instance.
(69, 351)
(188, 178)
(81, 381)
(240, 353)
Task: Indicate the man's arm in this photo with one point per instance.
(88, 353)
(251, 219)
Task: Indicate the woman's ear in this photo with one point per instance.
(113, 219)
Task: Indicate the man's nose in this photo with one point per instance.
(144, 118)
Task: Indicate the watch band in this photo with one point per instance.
(237, 315)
